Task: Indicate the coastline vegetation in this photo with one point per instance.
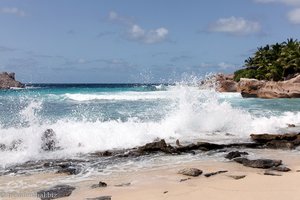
(274, 62)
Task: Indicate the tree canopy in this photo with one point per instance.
(272, 62)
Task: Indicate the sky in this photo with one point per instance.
(130, 41)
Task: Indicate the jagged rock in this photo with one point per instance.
(278, 141)
(270, 89)
(7, 81)
(259, 163)
(100, 198)
(49, 140)
(237, 177)
(190, 172)
(99, 185)
(235, 154)
(215, 173)
(55, 192)
(291, 125)
(156, 146)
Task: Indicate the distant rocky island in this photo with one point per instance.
(8, 81)
(272, 72)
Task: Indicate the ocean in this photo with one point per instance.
(95, 117)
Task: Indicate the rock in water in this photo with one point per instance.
(7, 81)
(49, 140)
(259, 163)
(235, 154)
(99, 185)
(156, 146)
(55, 192)
(190, 172)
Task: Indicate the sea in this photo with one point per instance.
(87, 118)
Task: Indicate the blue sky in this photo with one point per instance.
(105, 41)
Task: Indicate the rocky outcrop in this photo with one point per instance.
(225, 83)
(270, 89)
(277, 141)
(7, 81)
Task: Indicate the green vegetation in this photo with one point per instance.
(273, 62)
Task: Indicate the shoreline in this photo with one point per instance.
(163, 182)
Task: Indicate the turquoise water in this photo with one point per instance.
(113, 116)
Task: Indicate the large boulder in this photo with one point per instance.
(259, 163)
(277, 141)
(49, 141)
(225, 83)
(270, 89)
(7, 81)
(58, 191)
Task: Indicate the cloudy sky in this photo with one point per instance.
(137, 40)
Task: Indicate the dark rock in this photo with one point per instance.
(270, 173)
(215, 173)
(291, 125)
(99, 185)
(277, 141)
(165, 192)
(190, 172)
(55, 192)
(155, 147)
(70, 170)
(237, 177)
(2, 147)
(49, 140)
(123, 184)
(184, 179)
(178, 143)
(7, 81)
(15, 145)
(235, 154)
(100, 198)
(264, 138)
(259, 163)
(281, 169)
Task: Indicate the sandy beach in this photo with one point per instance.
(165, 183)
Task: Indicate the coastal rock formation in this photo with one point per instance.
(215, 173)
(55, 192)
(270, 89)
(225, 83)
(235, 154)
(276, 141)
(7, 81)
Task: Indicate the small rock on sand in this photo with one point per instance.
(190, 172)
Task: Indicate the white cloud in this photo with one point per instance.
(235, 26)
(294, 16)
(149, 37)
(137, 33)
(13, 11)
(287, 2)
